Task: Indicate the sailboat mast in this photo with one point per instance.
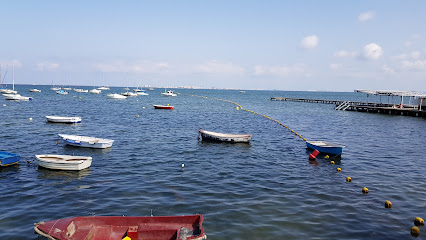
(13, 77)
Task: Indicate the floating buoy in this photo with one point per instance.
(300, 136)
(31, 119)
(137, 115)
(419, 221)
(143, 107)
(237, 108)
(388, 204)
(339, 169)
(4, 105)
(304, 139)
(79, 97)
(292, 131)
(332, 162)
(415, 231)
(327, 157)
(313, 155)
(296, 134)
(348, 179)
(365, 190)
(183, 165)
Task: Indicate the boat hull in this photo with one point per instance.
(116, 96)
(64, 162)
(7, 158)
(58, 119)
(222, 137)
(164, 107)
(88, 142)
(119, 227)
(325, 147)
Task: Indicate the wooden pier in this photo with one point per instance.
(384, 108)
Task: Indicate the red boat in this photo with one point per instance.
(126, 228)
(164, 107)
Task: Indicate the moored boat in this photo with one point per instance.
(83, 141)
(64, 162)
(95, 91)
(163, 107)
(59, 119)
(325, 147)
(7, 158)
(116, 96)
(62, 92)
(103, 88)
(169, 93)
(16, 97)
(189, 227)
(224, 137)
(35, 90)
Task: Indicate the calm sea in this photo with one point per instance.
(267, 189)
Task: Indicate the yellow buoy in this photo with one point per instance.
(126, 238)
(415, 231)
(292, 131)
(31, 119)
(388, 204)
(304, 139)
(339, 169)
(365, 190)
(327, 157)
(332, 162)
(137, 115)
(237, 108)
(419, 221)
(348, 179)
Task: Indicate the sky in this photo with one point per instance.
(284, 45)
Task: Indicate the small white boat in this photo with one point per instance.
(116, 96)
(55, 89)
(83, 141)
(67, 88)
(103, 88)
(224, 137)
(63, 162)
(169, 93)
(59, 119)
(129, 94)
(151, 89)
(35, 90)
(62, 92)
(16, 97)
(81, 90)
(95, 91)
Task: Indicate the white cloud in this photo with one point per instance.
(281, 71)
(408, 56)
(344, 53)
(310, 42)
(46, 66)
(417, 65)
(388, 69)
(214, 67)
(366, 16)
(137, 67)
(335, 66)
(372, 51)
(15, 63)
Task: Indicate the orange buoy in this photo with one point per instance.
(365, 190)
(415, 231)
(419, 221)
(313, 155)
(388, 204)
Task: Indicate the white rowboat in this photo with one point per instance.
(116, 96)
(35, 90)
(64, 162)
(83, 141)
(59, 119)
(224, 137)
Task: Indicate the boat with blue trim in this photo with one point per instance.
(325, 147)
(83, 141)
(7, 158)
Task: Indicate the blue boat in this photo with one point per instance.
(325, 147)
(7, 158)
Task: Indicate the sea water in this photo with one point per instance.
(267, 189)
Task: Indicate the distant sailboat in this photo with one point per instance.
(103, 87)
(5, 90)
(15, 96)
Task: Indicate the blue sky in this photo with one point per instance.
(286, 45)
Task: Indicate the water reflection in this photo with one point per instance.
(44, 173)
(223, 144)
(6, 170)
(74, 150)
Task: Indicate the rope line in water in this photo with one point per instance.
(418, 221)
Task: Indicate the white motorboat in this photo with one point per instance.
(169, 93)
(16, 97)
(62, 92)
(103, 88)
(55, 88)
(63, 162)
(151, 89)
(67, 88)
(95, 91)
(81, 90)
(59, 119)
(224, 137)
(83, 141)
(129, 94)
(116, 96)
(8, 91)
(142, 93)
(35, 90)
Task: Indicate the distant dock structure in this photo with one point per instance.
(415, 110)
